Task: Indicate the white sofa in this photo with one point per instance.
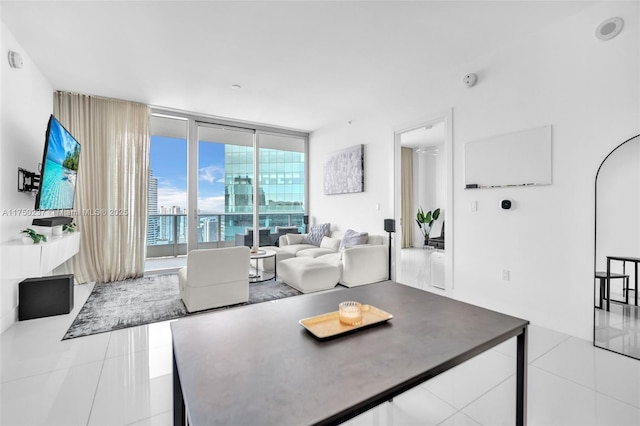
(358, 265)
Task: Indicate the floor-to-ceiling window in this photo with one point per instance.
(166, 218)
(216, 195)
(225, 183)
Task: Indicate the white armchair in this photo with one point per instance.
(214, 278)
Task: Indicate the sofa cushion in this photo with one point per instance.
(295, 248)
(332, 244)
(353, 238)
(314, 252)
(294, 238)
(315, 234)
(377, 240)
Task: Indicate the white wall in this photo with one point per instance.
(588, 90)
(27, 103)
(358, 211)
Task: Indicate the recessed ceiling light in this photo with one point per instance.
(609, 29)
(236, 86)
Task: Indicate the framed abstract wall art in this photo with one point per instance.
(343, 171)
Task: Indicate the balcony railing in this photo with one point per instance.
(167, 233)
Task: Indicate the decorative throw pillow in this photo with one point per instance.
(353, 238)
(315, 234)
(294, 238)
(332, 244)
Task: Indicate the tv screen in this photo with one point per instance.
(59, 169)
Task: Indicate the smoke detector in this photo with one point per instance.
(609, 29)
(470, 79)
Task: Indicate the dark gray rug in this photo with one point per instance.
(153, 298)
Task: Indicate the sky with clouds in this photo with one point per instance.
(168, 158)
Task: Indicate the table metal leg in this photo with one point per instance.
(636, 292)
(179, 418)
(602, 283)
(521, 380)
(608, 284)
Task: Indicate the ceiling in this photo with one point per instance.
(302, 65)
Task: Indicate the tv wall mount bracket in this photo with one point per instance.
(28, 181)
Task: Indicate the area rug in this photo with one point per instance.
(153, 298)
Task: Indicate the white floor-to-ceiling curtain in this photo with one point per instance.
(111, 191)
(406, 183)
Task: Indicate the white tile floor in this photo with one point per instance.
(124, 378)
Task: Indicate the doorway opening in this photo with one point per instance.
(423, 182)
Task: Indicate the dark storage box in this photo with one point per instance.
(45, 296)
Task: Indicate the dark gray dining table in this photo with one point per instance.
(256, 364)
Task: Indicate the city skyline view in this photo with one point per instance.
(225, 189)
(168, 161)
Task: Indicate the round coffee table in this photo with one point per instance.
(261, 276)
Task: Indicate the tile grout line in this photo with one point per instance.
(462, 414)
(483, 394)
(529, 365)
(573, 381)
(95, 393)
(55, 370)
(586, 387)
(531, 361)
(150, 417)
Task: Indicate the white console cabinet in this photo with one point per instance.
(21, 261)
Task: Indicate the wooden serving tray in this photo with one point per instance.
(328, 325)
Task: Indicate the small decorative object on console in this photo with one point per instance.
(328, 326)
(350, 313)
(35, 237)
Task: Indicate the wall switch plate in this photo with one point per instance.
(505, 274)
(474, 206)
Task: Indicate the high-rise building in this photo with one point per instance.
(153, 227)
(170, 210)
(209, 230)
(281, 197)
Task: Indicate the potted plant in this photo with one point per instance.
(69, 227)
(35, 237)
(425, 221)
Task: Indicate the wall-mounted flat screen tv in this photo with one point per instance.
(59, 169)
